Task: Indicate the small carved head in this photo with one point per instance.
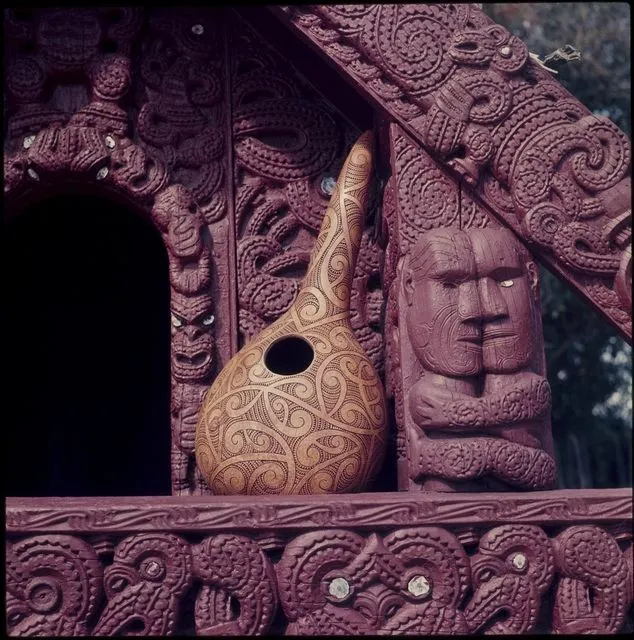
(178, 217)
(192, 321)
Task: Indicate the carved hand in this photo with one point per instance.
(428, 403)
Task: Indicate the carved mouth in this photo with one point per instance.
(497, 333)
(196, 360)
(188, 368)
(472, 339)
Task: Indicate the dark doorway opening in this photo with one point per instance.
(87, 351)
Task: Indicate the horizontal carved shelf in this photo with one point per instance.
(358, 564)
(212, 514)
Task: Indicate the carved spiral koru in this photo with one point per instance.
(53, 586)
(428, 198)
(511, 571)
(303, 588)
(319, 430)
(314, 129)
(592, 595)
(145, 584)
(234, 567)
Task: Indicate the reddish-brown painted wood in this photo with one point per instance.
(189, 117)
(468, 93)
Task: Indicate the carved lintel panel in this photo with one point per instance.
(467, 91)
(468, 565)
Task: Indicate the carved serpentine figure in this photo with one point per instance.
(480, 409)
(412, 581)
(145, 584)
(300, 409)
(511, 571)
(54, 586)
(593, 594)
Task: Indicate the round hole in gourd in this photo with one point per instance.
(289, 356)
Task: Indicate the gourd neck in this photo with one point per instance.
(328, 282)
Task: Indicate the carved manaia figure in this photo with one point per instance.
(480, 412)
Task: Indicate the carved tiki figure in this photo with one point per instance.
(480, 414)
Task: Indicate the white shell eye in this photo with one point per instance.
(419, 586)
(327, 185)
(209, 320)
(176, 322)
(339, 588)
(507, 283)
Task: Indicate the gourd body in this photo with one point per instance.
(300, 408)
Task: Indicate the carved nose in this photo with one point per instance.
(493, 304)
(193, 332)
(469, 307)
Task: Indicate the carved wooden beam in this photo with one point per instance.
(358, 564)
(467, 92)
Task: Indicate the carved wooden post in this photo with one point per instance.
(464, 319)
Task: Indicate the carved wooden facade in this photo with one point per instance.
(193, 119)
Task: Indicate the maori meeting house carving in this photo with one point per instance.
(381, 180)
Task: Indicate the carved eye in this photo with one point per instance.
(339, 588)
(449, 285)
(44, 594)
(152, 569)
(519, 561)
(14, 618)
(485, 575)
(176, 321)
(391, 611)
(419, 586)
(507, 283)
(209, 320)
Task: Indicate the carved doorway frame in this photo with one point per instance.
(105, 164)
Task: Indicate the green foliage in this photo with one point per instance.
(589, 365)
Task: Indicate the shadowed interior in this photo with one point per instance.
(87, 351)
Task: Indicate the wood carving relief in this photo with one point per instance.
(289, 145)
(468, 92)
(190, 117)
(423, 201)
(86, 105)
(480, 410)
(300, 409)
(54, 586)
(422, 580)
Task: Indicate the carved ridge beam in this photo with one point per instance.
(526, 149)
(361, 511)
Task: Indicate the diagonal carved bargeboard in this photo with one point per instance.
(468, 92)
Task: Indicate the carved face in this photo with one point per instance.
(444, 315)
(192, 339)
(177, 215)
(506, 299)
(471, 302)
